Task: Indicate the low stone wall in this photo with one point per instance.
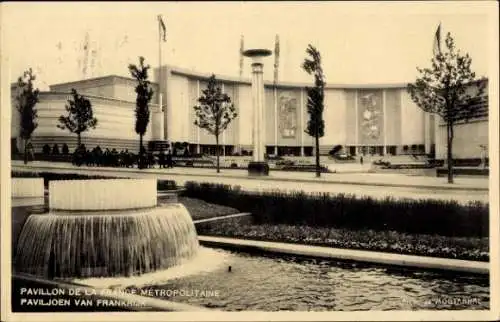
(27, 187)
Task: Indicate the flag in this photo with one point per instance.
(241, 55)
(163, 29)
(437, 41)
(276, 58)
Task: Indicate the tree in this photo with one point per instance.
(26, 99)
(144, 94)
(315, 99)
(215, 112)
(80, 117)
(446, 89)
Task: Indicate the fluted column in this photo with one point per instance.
(259, 165)
(258, 107)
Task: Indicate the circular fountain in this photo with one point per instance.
(105, 228)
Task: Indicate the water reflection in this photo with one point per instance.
(274, 284)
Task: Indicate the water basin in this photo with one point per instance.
(276, 283)
(267, 283)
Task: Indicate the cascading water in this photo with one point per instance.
(71, 241)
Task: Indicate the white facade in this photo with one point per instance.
(362, 118)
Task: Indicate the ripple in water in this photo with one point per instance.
(276, 284)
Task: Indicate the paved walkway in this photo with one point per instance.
(363, 184)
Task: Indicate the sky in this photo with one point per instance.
(360, 43)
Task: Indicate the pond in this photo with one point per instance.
(286, 283)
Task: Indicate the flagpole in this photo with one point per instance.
(161, 37)
(159, 62)
(241, 56)
(275, 93)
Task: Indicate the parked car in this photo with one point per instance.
(343, 156)
(381, 162)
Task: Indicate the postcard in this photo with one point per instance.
(249, 161)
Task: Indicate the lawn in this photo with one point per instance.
(199, 209)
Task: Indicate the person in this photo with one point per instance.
(361, 160)
(98, 156)
(46, 149)
(30, 151)
(170, 163)
(483, 156)
(65, 149)
(161, 159)
(55, 149)
(114, 157)
(150, 160)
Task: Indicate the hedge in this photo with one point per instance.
(443, 172)
(163, 185)
(414, 216)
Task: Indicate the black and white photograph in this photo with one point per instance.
(247, 160)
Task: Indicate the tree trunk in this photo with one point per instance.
(25, 152)
(449, 150)
(318, 170)
(79, 140)
(217, 152)
(140, 161)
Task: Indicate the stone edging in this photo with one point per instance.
(199, 221)
(350, 255)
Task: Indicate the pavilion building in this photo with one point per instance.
(365, 119)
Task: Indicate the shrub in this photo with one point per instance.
(467, 248)
(440, 217)
(304, 168)
(472, 162)
(163, 185)
(258, 168)
(464, 171)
